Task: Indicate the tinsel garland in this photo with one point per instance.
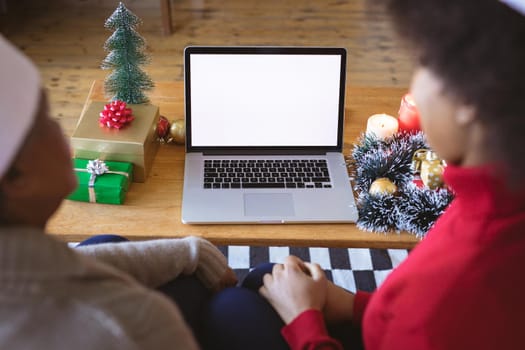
(411, 208)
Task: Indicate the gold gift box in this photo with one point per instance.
(135, 143)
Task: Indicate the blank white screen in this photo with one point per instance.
(264, 100)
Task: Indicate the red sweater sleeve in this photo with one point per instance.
(308, 332)
(361, 300)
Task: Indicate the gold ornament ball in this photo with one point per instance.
(178, 131)
(432, 174)
(382, 186)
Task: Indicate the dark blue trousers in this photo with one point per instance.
(235, 318)
(239, 318)
(187, 292)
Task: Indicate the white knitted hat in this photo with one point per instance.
(518, 5)
(19, 99)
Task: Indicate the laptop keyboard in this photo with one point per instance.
(281, 173)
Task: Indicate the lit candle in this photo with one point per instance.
(382, 125)
(408, 115)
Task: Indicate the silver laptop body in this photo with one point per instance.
(276, 108)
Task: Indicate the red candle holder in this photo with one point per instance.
(408, 115)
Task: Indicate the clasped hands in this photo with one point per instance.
(296, 286)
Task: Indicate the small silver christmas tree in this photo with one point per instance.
(126, 54)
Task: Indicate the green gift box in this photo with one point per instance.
(101, 181)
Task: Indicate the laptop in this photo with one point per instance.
(264, 136)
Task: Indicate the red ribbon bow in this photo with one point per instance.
(115, 115)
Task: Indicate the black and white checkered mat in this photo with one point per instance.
(350, 268)
(363, 269)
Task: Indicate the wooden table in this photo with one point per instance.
(152, 209)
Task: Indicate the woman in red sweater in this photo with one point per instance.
(462, 286)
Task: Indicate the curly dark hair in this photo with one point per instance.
(477, 47)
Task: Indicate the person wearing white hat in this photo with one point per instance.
(93, 297)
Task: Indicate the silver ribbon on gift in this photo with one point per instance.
(97, 168)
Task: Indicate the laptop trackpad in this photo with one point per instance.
(268, 204)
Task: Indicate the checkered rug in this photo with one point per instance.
(352, 269)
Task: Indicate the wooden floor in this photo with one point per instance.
(65, 38)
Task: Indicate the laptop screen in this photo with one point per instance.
(242, 98)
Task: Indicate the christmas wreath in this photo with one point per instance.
(404, 204)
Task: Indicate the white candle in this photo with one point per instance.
(382, 125)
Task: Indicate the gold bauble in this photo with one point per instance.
(178, 131)
(382, 186)
(420, 156)
(432, 174)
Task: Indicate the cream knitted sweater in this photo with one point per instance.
(96, 297)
